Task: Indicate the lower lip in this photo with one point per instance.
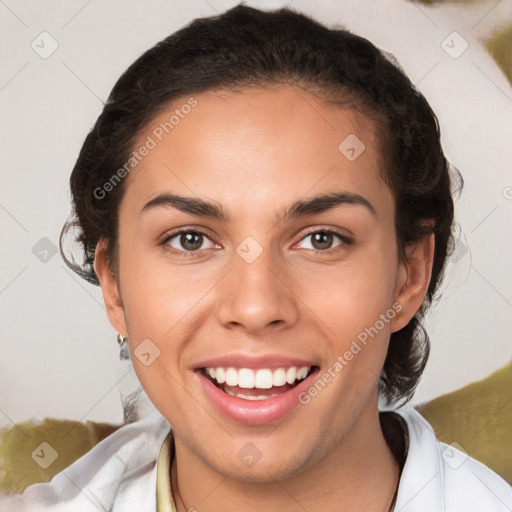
(255, 412)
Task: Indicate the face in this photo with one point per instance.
(265, 314)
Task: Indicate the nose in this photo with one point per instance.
(256, 296)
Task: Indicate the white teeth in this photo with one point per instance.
(220, 375)
(291, 375)
(279, 378)
(264, 378)
(231, 377)
(246, 378)
(302, 373)
(247, 397)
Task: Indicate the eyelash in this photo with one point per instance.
(346, 241)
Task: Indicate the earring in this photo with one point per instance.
(124, 352)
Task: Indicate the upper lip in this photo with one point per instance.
(244, 360)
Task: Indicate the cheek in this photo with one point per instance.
(353, 296)
(163, 304)
(157, 295)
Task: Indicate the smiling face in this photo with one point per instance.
(267, 280)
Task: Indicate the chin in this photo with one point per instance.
(251, 465)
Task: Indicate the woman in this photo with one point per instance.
(266, 206)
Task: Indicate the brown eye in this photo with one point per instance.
(323, 240)
(187, 241)
(191, 241)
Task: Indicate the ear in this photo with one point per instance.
(413, 278)
(110, 289)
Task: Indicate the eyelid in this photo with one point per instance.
(344, 233)
(185, 229)
(346, 239)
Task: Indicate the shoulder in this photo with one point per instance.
(118, 470)
(437, 476)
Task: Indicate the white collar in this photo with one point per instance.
(440, 477)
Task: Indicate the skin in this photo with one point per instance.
(254, 153)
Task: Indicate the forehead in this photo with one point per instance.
(264, 143)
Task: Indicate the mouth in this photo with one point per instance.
(255, 396)
(256, 384)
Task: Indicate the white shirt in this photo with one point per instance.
(119, 474)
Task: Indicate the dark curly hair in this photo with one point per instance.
(246, 47)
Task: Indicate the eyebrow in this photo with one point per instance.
(299, 209)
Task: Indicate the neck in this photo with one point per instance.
(359, 474)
